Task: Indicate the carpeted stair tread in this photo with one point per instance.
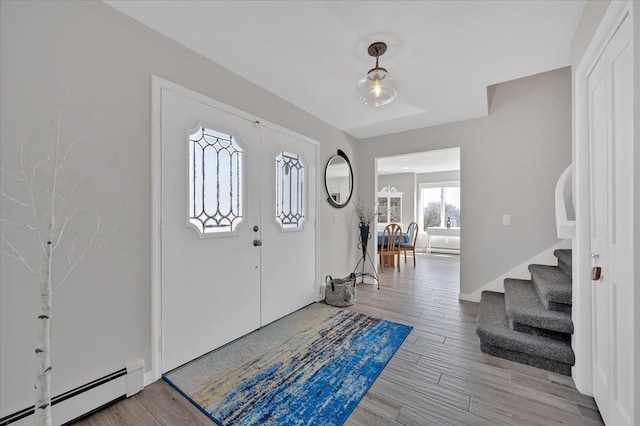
(493, 329)
(552, 284)
(524, 306)
(564, 255)
(564, 260)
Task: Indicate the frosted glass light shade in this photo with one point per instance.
(377, 88)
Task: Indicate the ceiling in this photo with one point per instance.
(442, 54)
(439, 160)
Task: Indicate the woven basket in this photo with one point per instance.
(340, 291)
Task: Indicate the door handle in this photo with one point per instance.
(596, 271)
(257, 243)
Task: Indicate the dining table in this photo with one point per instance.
(403, 240)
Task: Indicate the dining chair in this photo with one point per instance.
(412, 232)
(390, 244)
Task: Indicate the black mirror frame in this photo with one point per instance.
(329, 199)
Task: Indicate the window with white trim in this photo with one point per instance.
(439, 205)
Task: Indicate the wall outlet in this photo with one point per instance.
(506, 219)
(336, 218)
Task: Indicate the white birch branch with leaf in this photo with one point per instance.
(51, 196)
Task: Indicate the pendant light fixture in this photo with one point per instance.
(377, 88)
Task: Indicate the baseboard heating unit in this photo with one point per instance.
(88, 398)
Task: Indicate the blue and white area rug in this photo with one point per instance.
(309, 368)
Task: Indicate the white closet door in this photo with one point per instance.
(210, 284)
(611, 162)
(288, 224)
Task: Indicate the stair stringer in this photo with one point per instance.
(520, 272)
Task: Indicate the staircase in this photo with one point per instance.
(530, 322)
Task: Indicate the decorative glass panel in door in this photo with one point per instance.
(215, 181)
(289, 190)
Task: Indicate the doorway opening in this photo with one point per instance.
(422, 188)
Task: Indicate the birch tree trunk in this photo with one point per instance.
(43, 343)
(43, 349)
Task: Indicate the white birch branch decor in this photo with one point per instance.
(51, 204)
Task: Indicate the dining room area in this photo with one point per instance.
(418, 208)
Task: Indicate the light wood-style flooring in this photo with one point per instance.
(439, 376)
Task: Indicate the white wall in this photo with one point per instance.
(510, 162)
(102, 61)
(436, 177)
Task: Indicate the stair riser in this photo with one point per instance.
(565, 260)
(565, 268)
(560, 307)
(552, 334)
(534, 361)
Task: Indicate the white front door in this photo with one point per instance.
(288, 224)
(611, 193)
(238, 239)
(211, 281)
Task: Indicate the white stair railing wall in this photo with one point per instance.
(565, 212)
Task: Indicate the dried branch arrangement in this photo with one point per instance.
(365, 213)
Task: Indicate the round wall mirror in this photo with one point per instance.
(338, 180)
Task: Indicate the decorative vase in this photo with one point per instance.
(364, 238)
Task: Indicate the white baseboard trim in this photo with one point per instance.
(84, 403)
(76, 402)
(148, 378)
(521, 272)
(321, 290)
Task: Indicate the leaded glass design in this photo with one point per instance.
(289, 190)
(215, 181)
